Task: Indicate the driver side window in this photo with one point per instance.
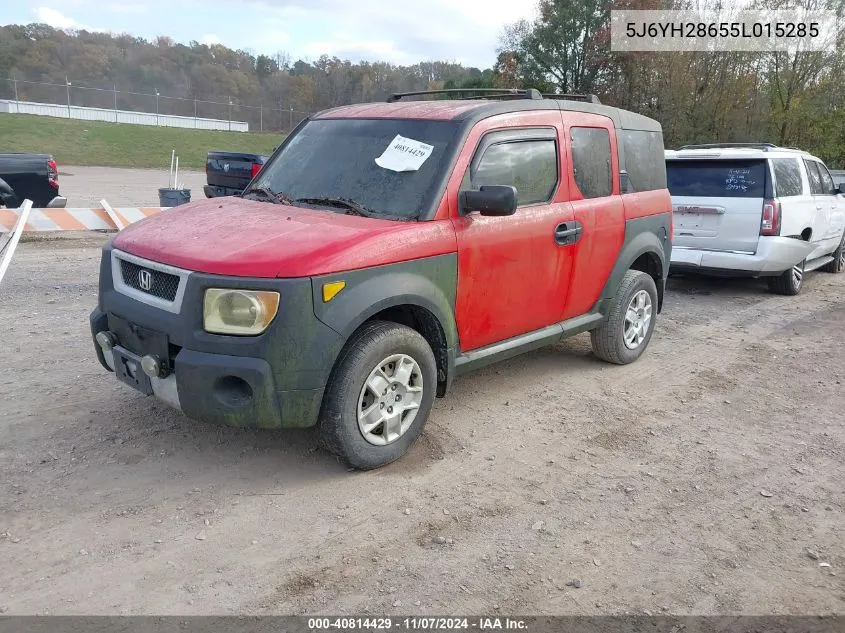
(530, 165)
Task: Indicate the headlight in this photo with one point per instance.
(245, 312)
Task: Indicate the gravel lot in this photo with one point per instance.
(707, 478)
(86, 186)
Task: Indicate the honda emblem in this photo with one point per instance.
(145, 279)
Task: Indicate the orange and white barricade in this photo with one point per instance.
(103, 218)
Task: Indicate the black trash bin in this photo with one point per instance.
(173, 197)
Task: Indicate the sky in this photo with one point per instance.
(398, 31)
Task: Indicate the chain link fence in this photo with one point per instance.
(279, 117)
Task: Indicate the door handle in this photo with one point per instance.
(568, 233)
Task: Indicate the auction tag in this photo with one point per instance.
(404, 154)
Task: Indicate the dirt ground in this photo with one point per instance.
(706, 478)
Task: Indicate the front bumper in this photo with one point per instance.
(221, 389)
(272, 380)
(774, 255)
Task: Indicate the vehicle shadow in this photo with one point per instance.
(691, 284)
(153, 445)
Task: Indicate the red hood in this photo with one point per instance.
(245, 238)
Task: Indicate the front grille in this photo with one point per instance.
(162, 285)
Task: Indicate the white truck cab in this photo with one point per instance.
(755, 209)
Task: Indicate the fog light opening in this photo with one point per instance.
(232, 391)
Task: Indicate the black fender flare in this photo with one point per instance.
(650, 240)
(429, 283)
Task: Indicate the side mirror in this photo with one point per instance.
(495, 200)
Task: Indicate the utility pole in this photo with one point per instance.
(114, 86)
(157, 95)
(195, 113)
(290, 122)
(261, 116)
(67, 85)
(230, 114)
(17, 101)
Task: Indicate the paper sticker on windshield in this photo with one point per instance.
(404, 154)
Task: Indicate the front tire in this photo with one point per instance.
(789, 282)
(379, 395)
(624, 336)
(838, 263)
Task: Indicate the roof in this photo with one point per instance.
(477, 109)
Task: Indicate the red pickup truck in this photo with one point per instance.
(384, 249)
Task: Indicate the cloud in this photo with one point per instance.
(59, 20)
(126, 8)
(345, 47)
(56, 19)
(400, 31)
(397, 31)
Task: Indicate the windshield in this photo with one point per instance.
(716, 178)
(336, 159)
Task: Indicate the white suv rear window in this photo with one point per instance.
(716, 178)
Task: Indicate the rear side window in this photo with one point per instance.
(530, 166)
(827, 182)
(591, 160)
(787, 177)
(644, 160)
(816, 185)
(716, 178)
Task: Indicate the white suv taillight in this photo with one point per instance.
(770, 225)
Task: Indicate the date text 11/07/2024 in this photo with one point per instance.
(417, 624)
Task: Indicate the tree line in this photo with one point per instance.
(793, 99)
(137, 69)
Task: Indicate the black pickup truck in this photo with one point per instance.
(29, 177)
(228, 173)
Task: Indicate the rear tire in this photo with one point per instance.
(379, 395)
(789, 282)
(838, 263)
(624, 336)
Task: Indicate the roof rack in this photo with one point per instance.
(486, 93)
(763, 146)
(572, 97)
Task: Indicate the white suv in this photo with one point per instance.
(758, 210)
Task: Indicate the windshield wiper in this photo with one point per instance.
(267, 194)
(343, 203)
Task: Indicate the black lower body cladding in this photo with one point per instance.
(647, 247)
(240, 391)
(272, 380)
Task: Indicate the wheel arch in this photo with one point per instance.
(647, 249)
(649, 263)
(423, 320)
(423, 300)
